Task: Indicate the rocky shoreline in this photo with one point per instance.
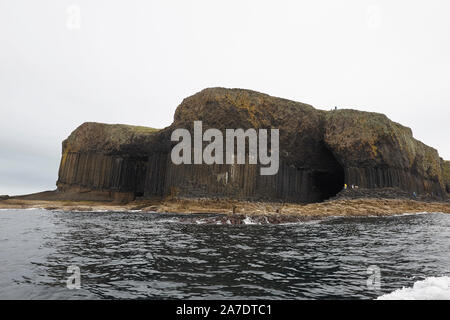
(236, 211)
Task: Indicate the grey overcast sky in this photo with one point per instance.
(127, 61)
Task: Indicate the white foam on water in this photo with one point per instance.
(168, 220)
(432, 288)
(311, 222)
(409, 214)
(20, 209)
(249, 220)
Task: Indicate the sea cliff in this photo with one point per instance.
(320, 152)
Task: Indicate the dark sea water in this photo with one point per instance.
(159, 256)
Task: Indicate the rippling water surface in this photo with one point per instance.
(149, 255)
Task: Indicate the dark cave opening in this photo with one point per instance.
(330, 180)
(328, 183)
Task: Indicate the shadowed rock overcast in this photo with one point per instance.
(67, 62)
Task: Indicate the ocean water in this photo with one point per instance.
(161, 256)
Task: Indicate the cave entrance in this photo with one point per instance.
(328, 184)
(330, 180)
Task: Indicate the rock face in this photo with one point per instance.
(319, 152)
(446, 175)
(107, 158)
(377, 152)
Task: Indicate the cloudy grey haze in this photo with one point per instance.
(122, 61)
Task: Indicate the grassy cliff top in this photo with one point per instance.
(93, 136)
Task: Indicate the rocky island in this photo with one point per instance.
(386, 170)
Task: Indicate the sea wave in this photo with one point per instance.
(410, 214)
(168, 220)
(20, 209)
(249, 220)
(432, 288)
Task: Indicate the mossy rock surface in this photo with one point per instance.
(110, 138)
